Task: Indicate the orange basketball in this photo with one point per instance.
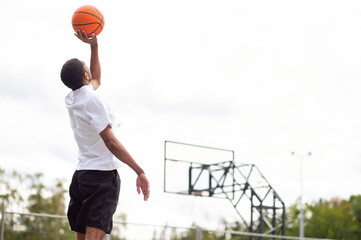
(88, 18)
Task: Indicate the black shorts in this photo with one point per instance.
(93, 199)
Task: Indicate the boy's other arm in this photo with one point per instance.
(118, 150)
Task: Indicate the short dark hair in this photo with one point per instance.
(72, 73)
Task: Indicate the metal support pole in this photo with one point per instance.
(234, 178)
(274, 215)
(165, 167)
(302, 233)
(301, 157)
(261, 229)
(210, 191)
(198, 233)
(251, 223)
(283, 220)
(2, 223)
(190, 186)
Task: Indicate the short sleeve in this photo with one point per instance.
(97, 113)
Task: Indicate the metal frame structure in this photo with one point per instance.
(237, 183)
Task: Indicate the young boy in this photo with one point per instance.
(94, 189)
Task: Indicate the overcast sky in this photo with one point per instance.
(263, 78)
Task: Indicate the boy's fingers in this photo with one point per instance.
(145, 191)
(138, 189)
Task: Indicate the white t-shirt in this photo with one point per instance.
(89, 116)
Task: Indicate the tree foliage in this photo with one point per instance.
(19, 193)
(335, 219)
(355, 202)
(29, 192)
(9, 194)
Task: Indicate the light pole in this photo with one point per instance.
(301, 157)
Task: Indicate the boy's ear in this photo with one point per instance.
(86, 76)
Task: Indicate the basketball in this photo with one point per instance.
(89, 19)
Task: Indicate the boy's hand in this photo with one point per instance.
(143, 184)
(84, 37)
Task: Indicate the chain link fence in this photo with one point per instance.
(35, 226)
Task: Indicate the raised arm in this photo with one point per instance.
(95, 68)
